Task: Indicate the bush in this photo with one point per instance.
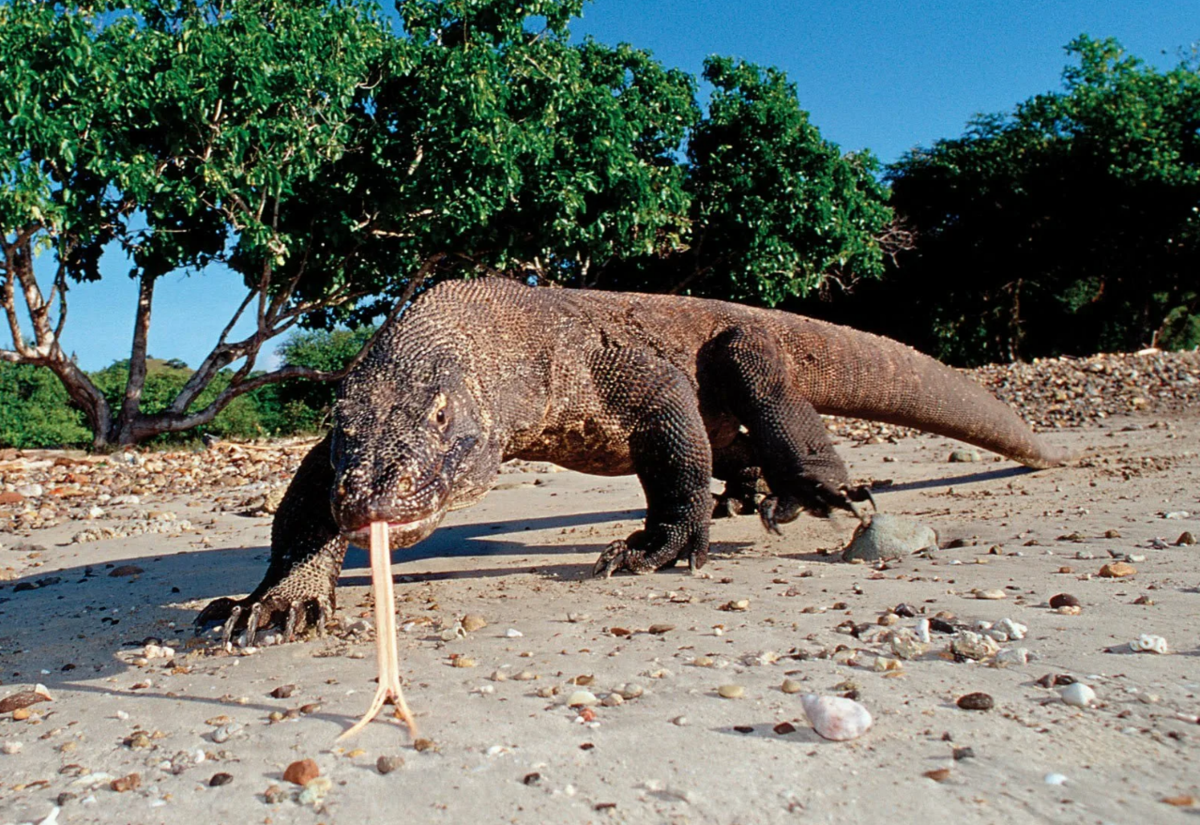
(35, 410)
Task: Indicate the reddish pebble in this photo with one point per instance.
(302, 772)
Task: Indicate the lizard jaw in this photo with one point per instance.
(401, 534)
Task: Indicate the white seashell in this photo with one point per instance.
(1013, 656)
(1078, 695)
(971, 645)
(582, 698)
(1054, 779)
(923, 631)
(835, 717)
(1149, 643)
(1014, 630)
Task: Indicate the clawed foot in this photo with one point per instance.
(776, 510)
(252, 615)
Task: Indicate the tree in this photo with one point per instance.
(340, 167)
(176, 131)
(1068, 226)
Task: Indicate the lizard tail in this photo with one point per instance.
(857, 374)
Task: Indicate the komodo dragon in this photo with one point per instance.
(675, 389)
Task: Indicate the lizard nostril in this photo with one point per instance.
(404, 485)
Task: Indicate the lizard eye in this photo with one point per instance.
(441, 418)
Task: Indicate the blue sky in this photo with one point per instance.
(873, 75)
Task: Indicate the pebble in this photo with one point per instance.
(1054, 779)
(25, 698)
(11, 747)
(791, 686)
(387, 764)
(965, 456)
(1063, 600)
(888, 537)
(315, 790)
(472, 622)
(630, 691)
(660, 629)
(976, 701)
(731, 691)
(301, 772)
(680, 721)
(1117, 570)
(1186, 539)
(1078, 695)
(219, 779)
(991, 595)
(835, 717)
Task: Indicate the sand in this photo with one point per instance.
(502, 744)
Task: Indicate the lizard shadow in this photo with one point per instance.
(968, 478)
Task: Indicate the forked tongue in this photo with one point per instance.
(386, 652)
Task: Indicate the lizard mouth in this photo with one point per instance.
(401, 534)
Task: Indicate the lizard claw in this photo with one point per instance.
(253, 615)
(613, 558)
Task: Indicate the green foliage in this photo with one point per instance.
(1070, 225)
(35, 410)
(328, 159)
(303, 406)
(775, 207)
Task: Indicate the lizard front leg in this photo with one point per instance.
(657, 406)
(307, 551)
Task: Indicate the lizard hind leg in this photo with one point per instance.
(751, 377)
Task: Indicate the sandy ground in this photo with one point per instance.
(508, 749)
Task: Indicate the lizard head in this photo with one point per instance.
(406, 451)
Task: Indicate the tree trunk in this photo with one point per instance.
(123, 429)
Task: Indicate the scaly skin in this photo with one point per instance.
(676, 390)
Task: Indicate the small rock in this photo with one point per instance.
(387, 764)
(283, 691)
(731, 691)
(11, 747)
(301, 772)
(791, 686)
(784, 728)
(938, 774)
(1063, 600)
(24, 699)
(1185, 539)
(660, 629)
(991, 595)
(219, 779)
(680, 721)
(1117, 570)
(126, 783)
(274, 794)
(835, 717)
(1054, 779)
(976, 701)
(1078, 695)
(889, 537)
(315, 790)
(964, 456)
(963, 753)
